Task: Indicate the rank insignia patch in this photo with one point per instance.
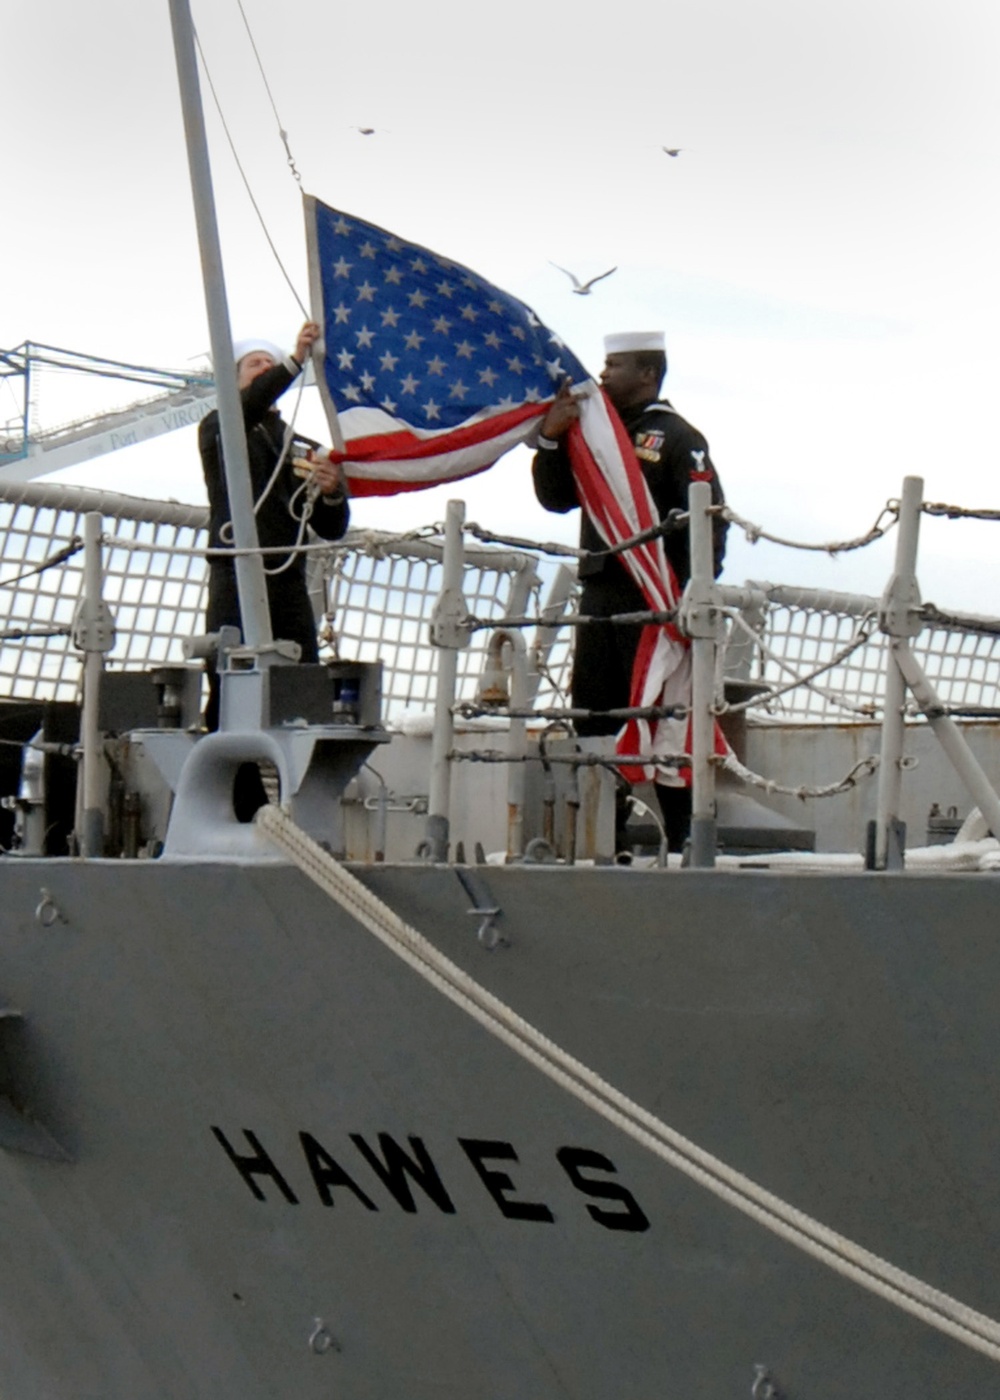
(699, 472)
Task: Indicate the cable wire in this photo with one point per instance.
(246, 182)
(267, 86)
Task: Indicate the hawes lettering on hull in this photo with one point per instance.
(409, 1178)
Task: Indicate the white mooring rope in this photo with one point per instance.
(851, 1260)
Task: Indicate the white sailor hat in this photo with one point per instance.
(625, 342)
(242, 348)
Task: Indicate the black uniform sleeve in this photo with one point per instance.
(553, 479)
(256, 399)
(677, 454)
(330, 519)
(262, 393)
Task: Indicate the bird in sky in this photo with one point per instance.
(671, 150)
(582, 289)
(367, 130)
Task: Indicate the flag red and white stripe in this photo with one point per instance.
(613, 491)
(383, 456)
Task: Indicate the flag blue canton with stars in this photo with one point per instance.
(423, 338)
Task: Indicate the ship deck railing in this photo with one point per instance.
(375, 594)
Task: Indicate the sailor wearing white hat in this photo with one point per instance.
(671, 454)
(628, 342)
(263, 373)
(277, 356)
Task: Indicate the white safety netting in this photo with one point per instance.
(801, 630)
(378, 594)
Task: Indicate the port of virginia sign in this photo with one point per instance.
(389, 1174)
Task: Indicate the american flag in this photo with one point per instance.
(432, 372)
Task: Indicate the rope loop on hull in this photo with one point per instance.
(912, 1295)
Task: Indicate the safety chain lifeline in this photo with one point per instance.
(910, 1294)
(20, 634)
(221, 551)
(479, 532)
(612, 762)
(468, 709)
(676, 520)
(660, 616)
(888, 516)
(958, 512)
(966, 622)
(60, 557)
(673, 521)
(864, 768)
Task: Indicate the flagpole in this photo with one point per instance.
(250, 578)
(318, 311)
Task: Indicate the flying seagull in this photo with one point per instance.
(368, 130)
(582, 289)
(672, 150)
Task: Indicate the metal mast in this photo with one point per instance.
(250, 580)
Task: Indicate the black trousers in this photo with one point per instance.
(604, 655)
(602, 679)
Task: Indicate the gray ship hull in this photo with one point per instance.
(298, 1170)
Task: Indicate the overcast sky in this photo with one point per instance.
(822, 255)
